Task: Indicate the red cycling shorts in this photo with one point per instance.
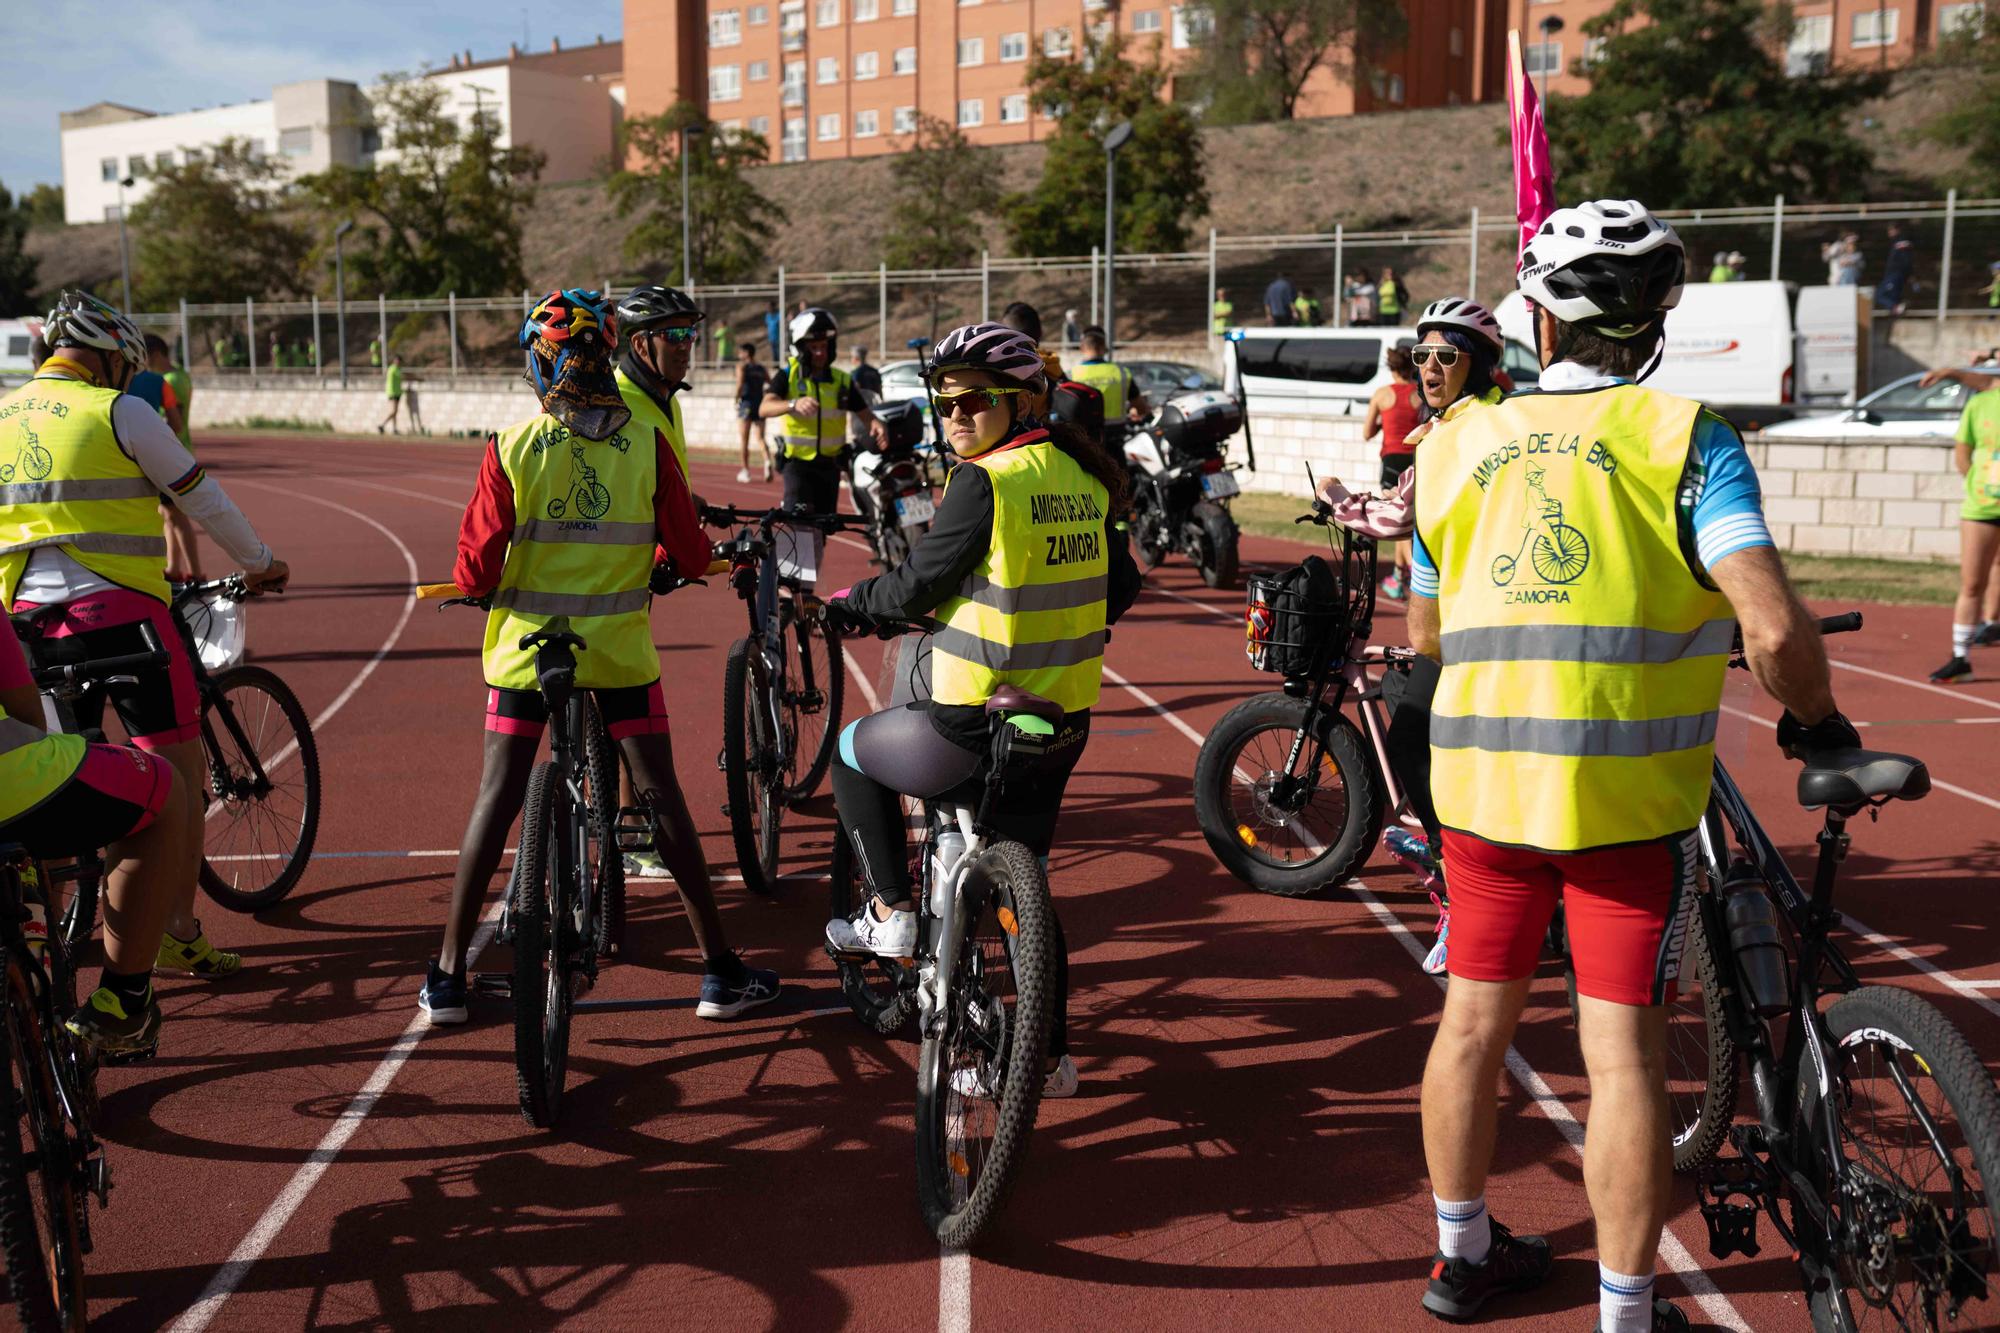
(114, 793)
(631, 710)
(158, 708)
(1626, 910)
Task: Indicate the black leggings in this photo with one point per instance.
(899, 752)
(812, 483)
(1408, 743)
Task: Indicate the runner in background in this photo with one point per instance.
(1977, 456)
(751, 376)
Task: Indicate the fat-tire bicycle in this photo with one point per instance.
(261, 793)
(981, 986)
(782, 683)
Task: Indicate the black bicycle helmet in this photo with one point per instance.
(644, 307)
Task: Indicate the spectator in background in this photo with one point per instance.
(1025, 319)
(276, 358)
(1720, 270)
(1992, 290)
(772, 321)
(1072, 328)
(1390, 298)
(1737, 260)
(725, 344)
(1307, 309)
(375, 353)
(751, 376)
(865, 376)
(1278, 298)
(392, 388)
(1360, 300)
(1843, 261)
(1892, 293)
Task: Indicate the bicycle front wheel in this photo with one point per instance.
(543, 928)
(1913, 1233)
(979, 1079)
(814, 688)
(41, 1197)
(746, 770)
(263, 792)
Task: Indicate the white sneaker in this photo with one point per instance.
(646, 865)
(743, 474)
(1060, 1082)
(894, 938)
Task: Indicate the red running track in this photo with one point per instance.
(1245, 1147)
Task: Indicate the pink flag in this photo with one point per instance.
(1534, 175)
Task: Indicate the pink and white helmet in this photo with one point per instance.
(993, 348)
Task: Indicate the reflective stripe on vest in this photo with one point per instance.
(647, 415)
(34, 765)
(1032, 614)
(1108, 378)
(65, 483)
(1583, 659)
(825, 435)
(582, 548)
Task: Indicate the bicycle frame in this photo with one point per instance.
(555, 677)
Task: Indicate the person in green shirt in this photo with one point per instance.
(392, 387)
(1977, 457)
(375, 353)
(1389, 298)
(725, 344)
(1220, 312)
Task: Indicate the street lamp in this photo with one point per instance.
(124, 251)
(1550, 27)
(1120, 135)
(687, 209)
(340, 297)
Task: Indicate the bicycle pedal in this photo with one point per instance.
(1732, 1229)
(493, 983)
(130, 1057)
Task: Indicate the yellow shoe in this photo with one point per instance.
(106, 1025)
(196, 956)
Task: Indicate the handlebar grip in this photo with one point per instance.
(1845, 623)
(719, 565)
(432, 591)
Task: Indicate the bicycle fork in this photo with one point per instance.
(949, 917)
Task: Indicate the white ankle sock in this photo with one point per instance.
(1624, 1302)
(1464, 1230)
(1961, 639)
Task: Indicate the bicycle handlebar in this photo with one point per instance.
(722, 516)
(1845, 623)
(881, 627)
(99, 669)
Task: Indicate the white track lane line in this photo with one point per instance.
(1715, 1306)
(1977, 701)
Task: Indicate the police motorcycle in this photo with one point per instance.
(892, 487)
(1182, 483)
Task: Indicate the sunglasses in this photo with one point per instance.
(971, 401)
(1424, 353)
(686, 335)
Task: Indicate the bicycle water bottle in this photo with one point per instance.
(1756, 942)
(950, 846)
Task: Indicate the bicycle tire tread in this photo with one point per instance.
(294, 713)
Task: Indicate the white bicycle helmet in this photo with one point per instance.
(1608, 265)
(993, 348)
(1469, 317)
(81, 320)
(814, 322)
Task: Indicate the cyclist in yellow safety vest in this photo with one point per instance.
(1583, 554)
(1220, 312)
(568, 510)
(1124, 403)
(812, 398)
(1024, 566)
(82, 544)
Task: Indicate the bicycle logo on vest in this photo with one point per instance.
(593, 500)
(1557, 551)
(38, 462)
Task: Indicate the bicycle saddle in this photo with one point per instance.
(557, 631)
(1849, 779)
(1011, 699)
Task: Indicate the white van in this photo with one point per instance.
(1309, 372)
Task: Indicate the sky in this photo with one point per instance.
(176, 56)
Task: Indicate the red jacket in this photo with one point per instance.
(489, 522)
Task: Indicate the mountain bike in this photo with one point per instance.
(51, 1163)
(262, 809)
(782, 683)
(1876, 1123)
(981, 985)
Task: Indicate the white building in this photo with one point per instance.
(566, 103)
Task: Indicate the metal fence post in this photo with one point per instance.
(319, 360)
(250, 335)
(779, 352)
(985, 285)
(1212, 348)
(1094, 251)
(1777, 233)
(1944, 265)
(882, 308)
(1472, 265)
(187, 339)
(1339, 292)
(451, 316)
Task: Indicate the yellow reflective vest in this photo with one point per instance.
(1032, 614)
(647, 415)
(1583, 652)
(1110, 379)
(65, 482)
(823, 436)
(582, 548)
(1219, 313)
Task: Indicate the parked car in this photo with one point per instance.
(1161, 380)
(902, 379)
(1898, 411)
(1312, 372)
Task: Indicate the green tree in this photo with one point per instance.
(943, 188)
(216, 228)
(731, 221)
(44, 205)
(441, 207)
(1253, 57)
(17, 267)
(1690, 106)
(1971, 120)
(1162, 185)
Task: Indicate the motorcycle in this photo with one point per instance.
(892, 487)
(1182, 484)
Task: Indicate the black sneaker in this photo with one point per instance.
(727, 994)
(443, 997)
(1515, 1263)
(1988, 636)
(1956, 669)
(111, 1027)
(1667, 1317)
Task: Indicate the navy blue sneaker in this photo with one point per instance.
(725, 996)
(443, 997)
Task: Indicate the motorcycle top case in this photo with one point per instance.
(904, 421)
(1198, 423)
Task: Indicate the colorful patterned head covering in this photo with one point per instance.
(569, 338)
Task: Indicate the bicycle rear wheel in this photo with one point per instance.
(1915, 1228)
(748, 776)
(979, 1079)
(815, 686)
(42, 1226)
(544, 936)
(259, 831)
(874, 988)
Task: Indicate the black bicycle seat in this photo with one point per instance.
(1849, 779)
(1011, 699)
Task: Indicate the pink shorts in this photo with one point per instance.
(160, 708)
(114, 793)
(632, 710)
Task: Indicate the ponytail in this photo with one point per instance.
(1094, 458)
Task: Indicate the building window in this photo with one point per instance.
(1396, 89)
(904, 120)
(826, 13)
(1543, 57)
(1095, 4)
(758, 15)
(867, 11)
(1593, 51)
(1057, 43)
(371, 140)
(759, 71)
(971, 51)
(111, 212)
(255, 149)
(725, 83)
(1458, 41)
(828, 70)
(867, 124)
(725, 28)
(1810, 50)
(1192, 24)
(829, 127)
(729, 126)
(1875, 27)
(135, 166)
(1962, 20)
(902, 8)
(1146, 20)
(295, 143)
(795, 139)
(867, 65)
(1014, 109)
(792, 27)
(108, 169)
(761, 126)
(795, 83)
(972, 111)
(904, 61)
(1014, 46)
